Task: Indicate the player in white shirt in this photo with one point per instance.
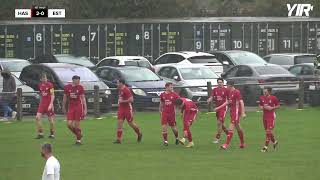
(51, 170)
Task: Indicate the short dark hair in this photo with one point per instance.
(43, 75)
(168, 84)
(122, 81)
(220, 79)
(47, 147)
(179, 101)
(269, 89)
(230, 83)
(75, 77)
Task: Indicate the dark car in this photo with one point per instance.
(30, 99)
(13, 65)
(287, 60)
(61, 74)
(307, 72)
(147, 86)
(252, 78)
(236, 57)
(63, 58)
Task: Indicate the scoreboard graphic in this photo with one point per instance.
(40, 11)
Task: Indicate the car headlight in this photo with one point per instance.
(139, 92)
(107, 92)
(195, 89)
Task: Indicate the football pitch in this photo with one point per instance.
(98, 159)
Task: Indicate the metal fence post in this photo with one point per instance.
(19, 104)
(301, 94)
(96, 102)
(209, 89)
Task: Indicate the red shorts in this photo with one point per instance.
(189, 117)
(235, 117)
(221, 115)
(75, 113)
(169, 119)
(268, 123)
(43, 109)
(125, 114)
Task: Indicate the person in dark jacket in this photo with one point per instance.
(9, 86)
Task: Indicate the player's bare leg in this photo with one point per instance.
(136, 129)
(119, 131)
(218, 134)
(39, 126)
(52, 129)
(229, 137)
(71, 127)
(241, 135)
(175, 132)
(266, 144)
(165, 135)
(78, 133)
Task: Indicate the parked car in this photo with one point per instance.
(189, 57)
(116, 61)
(15, 66)
(60, 74)
(63, 58)
(30, 99)
(252, 78)
(307, 72)
(236, 57)
(287, 60)
(189, 75)
(147, 85)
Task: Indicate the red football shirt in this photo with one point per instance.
(189, 105)
(168, 102)
(234, 98)
(219, 95)
(271, 101)
(124, 94)
(74, 93)
(46, 90)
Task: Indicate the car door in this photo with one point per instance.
(247, 84)
(296, 70)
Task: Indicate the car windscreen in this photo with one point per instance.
(18, 82)
(304, 59)
(139, 63)
(15, 66)
(75, 60)
(139, 75)
(246, 58)
(197, 73)
(270, 70)
(203, 59)
(65, 74)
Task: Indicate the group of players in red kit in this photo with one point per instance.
(225, 99)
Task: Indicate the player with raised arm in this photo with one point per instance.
(237, 111)
(168, 113)
(269, 103)
(189, 112)
(45, 106)
(77, 108)
(125, 111)
(219, 96)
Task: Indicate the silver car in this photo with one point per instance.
(189, 75)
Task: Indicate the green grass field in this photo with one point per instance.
(98, 159)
